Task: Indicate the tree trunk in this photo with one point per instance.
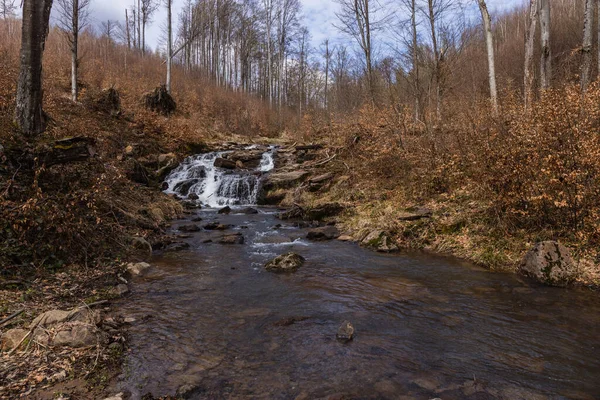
(436, 61)
(127, 31)
(415, 60)
(489, 41)
(529, 41)
(169, 45)
(586, 48)
(74, 50)
(546, 61)
(29, 115)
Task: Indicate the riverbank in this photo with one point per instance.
(455, 222)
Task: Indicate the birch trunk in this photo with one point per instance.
(169, 45)
(529, 41)
(546, 61)
(489, 41)
(415, 60)
(586, 48)
(74, 50)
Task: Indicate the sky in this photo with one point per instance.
(319, 16)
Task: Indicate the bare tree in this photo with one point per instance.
(327, 56)
(287, 11)
(268, 10)
(8, 8)
(357, 19)
(489, 40)
(529, 41)
(29, 115)
(586, 48)
(414, 50)
(147, 10)
(168, 3)
(546, 61)
(436, 12)
(73, 16)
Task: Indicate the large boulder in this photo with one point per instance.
(76, 334)
(323, 233)
(76, 328)
(551, 263)
(289, 262)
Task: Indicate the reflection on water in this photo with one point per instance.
(425, 326)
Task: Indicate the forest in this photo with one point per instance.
(467, 130)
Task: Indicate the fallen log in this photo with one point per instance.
(67, 150)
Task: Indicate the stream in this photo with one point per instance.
(426, 326)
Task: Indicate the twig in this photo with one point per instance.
(11, 181)
(324, 161)
(11, 316)
(97, 303)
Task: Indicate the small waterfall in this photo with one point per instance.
(217, 187)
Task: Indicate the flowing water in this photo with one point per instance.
(217, 186)
(426, 326)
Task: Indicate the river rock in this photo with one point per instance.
(120, 290)
(247, 158)
(345, 238)
(379, 241)
(167, 159)
(76, 334)
(188, 391)
(236, 238)
(551, 263)
(224, 210)
(189, 228)
(137, 269)
(193, 196)
(289, 262)
(11, 338)
(296, 212)
(345, 332)
(178, 246)
(118, 396)
(54, 317)
(142, 249)
(183, 187)
(248, 211)
(323, 233)
(224, 163)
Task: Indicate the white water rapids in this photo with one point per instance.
(217, 187)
